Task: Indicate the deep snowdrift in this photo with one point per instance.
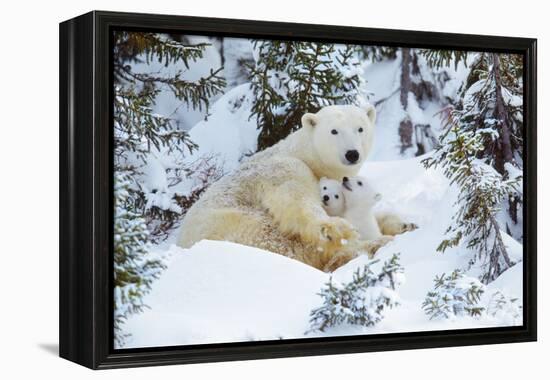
(224, 292)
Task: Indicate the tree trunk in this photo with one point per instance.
(405, 126)
(499, 261)
(405, 77)
(222, 52)
(504, 141)
(504, 149)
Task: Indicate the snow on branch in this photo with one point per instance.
(481, 192)
(291, 78)
(454, 295)
(363, 300)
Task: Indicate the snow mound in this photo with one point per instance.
(225, 292)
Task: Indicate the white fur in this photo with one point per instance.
(332, 196)
(360, 199)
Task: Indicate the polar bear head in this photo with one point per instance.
(332, 196)
(358, 194)
(342, 137)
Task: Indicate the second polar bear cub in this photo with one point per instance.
(354, 200)
(360, 199)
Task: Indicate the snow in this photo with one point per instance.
(512, 99)
(223, 140)
(382, 84)
(236, 50)
(224, 292)
(469, 96)
(228, 133)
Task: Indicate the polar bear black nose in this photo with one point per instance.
(352, 156)
(326, 198)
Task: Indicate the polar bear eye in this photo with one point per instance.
(336, 196)
(360, 130)
(360, 183)
(324, 187)
(334, 132)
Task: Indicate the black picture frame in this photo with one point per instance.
(86, 189)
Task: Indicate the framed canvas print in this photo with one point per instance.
(238, 189)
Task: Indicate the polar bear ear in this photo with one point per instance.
(371, 112)
(377, 197)
(309, 120)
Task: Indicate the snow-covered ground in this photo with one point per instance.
(224, 292)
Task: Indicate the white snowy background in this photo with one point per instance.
(224, 292)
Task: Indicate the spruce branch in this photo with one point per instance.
(481, 190)
(292, 78)
(363, 300)
(454, 295)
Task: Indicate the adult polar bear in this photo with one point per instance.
(272, 200)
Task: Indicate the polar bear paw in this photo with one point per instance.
(336, 232)
(392, 224)
(380, 242)
(372, 246)
(408, 227)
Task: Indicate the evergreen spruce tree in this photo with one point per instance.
(454, 295)
(134, 268)
(363, 300)
(492, 99)
(291, 78)
(139, 132)
(444, 58)
(482, 152)
(505, 308)
(481, 191)
(378, 53)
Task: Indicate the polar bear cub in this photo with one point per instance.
(360, 199)
(332, 196)
(352, 199)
